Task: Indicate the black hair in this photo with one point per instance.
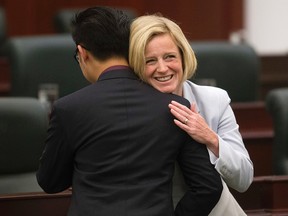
(104, 31)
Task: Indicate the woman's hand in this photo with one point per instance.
(194, 124)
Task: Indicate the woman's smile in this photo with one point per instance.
(163, 68)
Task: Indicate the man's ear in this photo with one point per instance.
(83, 54)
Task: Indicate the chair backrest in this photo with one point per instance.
(277, 105)
(3, 35)
(36, 60)
(235, 68)
(23, 125)
(63, 18)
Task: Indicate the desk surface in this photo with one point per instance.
(35, 204)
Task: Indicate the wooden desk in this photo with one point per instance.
(273, 74)
(256, 127)
(253, 118)
(266, 196)
(35, 204)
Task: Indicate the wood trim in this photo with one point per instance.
(35, 204)
(200, 20)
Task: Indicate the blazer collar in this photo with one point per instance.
(189, 94)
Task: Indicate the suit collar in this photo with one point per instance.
(118, 72)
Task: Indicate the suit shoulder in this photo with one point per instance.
(168, 97)
(180, 99)
(72, 98)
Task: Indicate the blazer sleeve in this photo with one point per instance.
(56, 163)
(203, 181)
(234, 163)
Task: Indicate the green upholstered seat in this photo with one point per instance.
(235, 68)
(277, 105)
(36, 60)
(23, 125)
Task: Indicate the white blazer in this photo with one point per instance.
(233, 164)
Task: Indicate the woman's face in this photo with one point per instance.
(163, 64)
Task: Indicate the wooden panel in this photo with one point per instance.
(266, 196)
(274, 73)
(256, 128)
(260, 151)
(252, 117)
(35, 204)
(200, 19)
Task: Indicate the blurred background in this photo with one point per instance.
(241, 46)
(261, 23)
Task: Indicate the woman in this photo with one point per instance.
(161, 55)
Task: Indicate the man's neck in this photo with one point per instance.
(112, 62)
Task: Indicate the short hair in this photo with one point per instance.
(103, 31)
(144, 28)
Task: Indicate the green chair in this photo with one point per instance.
(23, 125)
(234, 68)
(36, 60)
(277, 105)
(3, 36)
(63, 18)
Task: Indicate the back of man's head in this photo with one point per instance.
(103, 31)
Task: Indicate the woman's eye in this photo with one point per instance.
(150, 61)
(170, 56)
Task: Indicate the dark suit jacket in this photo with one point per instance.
(115, 143)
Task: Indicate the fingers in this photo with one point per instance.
(181, 116)
(174, 105)
(182, 111)
(182, 125)
(177, 105)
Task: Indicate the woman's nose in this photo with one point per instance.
(162, 67)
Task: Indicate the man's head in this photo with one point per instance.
(101, 35)
(103, 31)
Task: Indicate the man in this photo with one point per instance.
(114, 142)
